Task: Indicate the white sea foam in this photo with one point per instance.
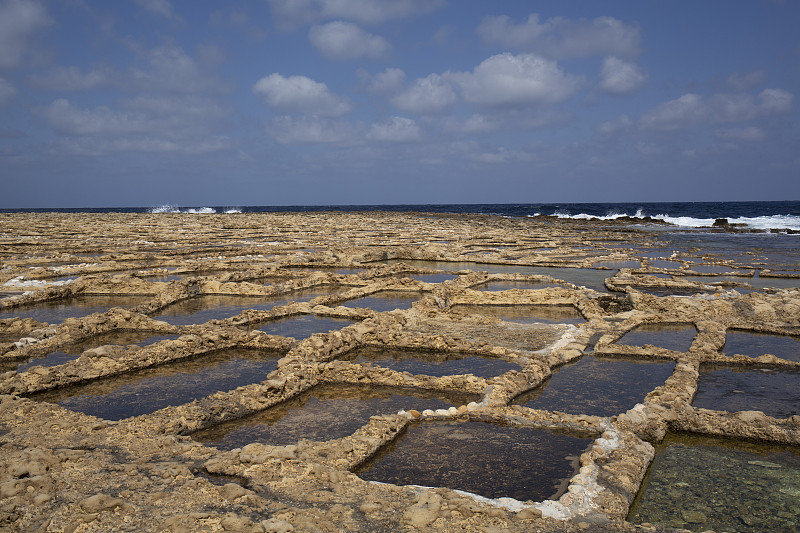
(762, 223)
(166, 208)
(765, 222)
(233, 210)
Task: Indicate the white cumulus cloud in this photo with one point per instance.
(776, 100)
(341, 40)
(395, 129)
(721, 107)
(431, 94)
(620, 77)
(562, 38)
(301, 94)
(507, 80)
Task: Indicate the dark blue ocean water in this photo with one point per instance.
(756, 215)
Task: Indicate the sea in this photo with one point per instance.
(764, 216)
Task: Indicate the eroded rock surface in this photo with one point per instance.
(62, 470)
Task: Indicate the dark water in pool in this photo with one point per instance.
(676, 337)
(755, 344)
(588, 277)
(55, 312)
(483, 458)
(149, 390)
(433, 278)
(73, 351)
(597, 386)
(508, 285)
(385, 301)
(759, 283)
(303, 326)
(721, 484)
(219, 307)
(775, 392)
(527, 314)
(324, 412)
(432, 363)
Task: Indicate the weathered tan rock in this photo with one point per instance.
(68, 471)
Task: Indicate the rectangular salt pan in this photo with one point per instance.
(219, 307)
(677, 337)
(432, 363)
(149, 390)
(588, 277)
(774, 392)
(385, 301)
(507, 285)
(528, 314)
(720, 484)
(597, 386)
(300, 327)
(324, 412)
(56, 311)
(755, 344)
(73, 351)
(488, 459)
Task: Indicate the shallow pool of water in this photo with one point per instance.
(527, 314)
(303, 326)
(759, 283)
(488, 459)
(348, 271)
(149, 390)
(755, 344)
(73, 351)
(325, 412)
(669, 291)
(432, 363)
(663, 263)
(775, 392)
(597, 386)
(9, 294)
(711, 269)
(588, 277)
(618, 264)
(508, 285)
(676, 337)
(163, 278)
(701, 483)
(204, 308)
(433, 278)
(55, 312)
(385, 301)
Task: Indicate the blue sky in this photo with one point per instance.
(287, 102)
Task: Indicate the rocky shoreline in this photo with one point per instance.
(62, 470)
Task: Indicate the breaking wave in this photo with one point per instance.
(791, 222)
(195, 210)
